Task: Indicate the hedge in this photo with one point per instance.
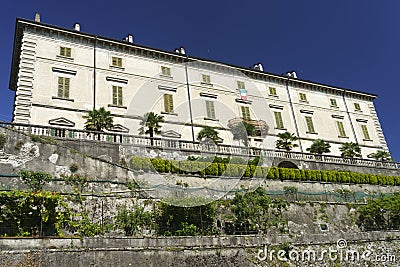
(250, 170)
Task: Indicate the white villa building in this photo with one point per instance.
(60, 74)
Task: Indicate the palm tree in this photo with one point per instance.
(319, 147)
(97, 120)
(381, 155)
(242, 131)
(151, 124)
(350, 150)
(208, 133)
(285, 141)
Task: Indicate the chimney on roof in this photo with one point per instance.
(77, 27)
(291, 74)
(129, 38)
(183, 52)
(176, 50)
(37, 17)
(258, 66)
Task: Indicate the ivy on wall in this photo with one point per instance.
(24, 213)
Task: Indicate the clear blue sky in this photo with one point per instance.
(352, 44)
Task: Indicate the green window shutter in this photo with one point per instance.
(240, 85)
(114, 95)
(66, 87)
(168, 103)
(310, 125)
(210, 109)
(340, 127)
(245, 113)
(365, 132)
(119, 96)
(60, 92)
(206, 79)
(272, 91)
(357, 106)
(117, 61)
(303, 97)
(333, 102)
(278, 120)
(165, 71)
(65, 51)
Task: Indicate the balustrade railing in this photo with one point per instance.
(173, 144)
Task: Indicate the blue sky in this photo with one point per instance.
(351, 44)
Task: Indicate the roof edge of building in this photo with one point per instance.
(22, 21)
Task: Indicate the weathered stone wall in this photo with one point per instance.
(105, 163)
(201, 251)
(316, 224)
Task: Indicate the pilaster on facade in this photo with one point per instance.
(378, 127)
(23, 98)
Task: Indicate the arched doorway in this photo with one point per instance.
(287, 164)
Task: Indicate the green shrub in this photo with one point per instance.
(174, 166)
(205, 167)
(73, 167)
(136, 163)
(187, 230)
(168, 166)
(158, 164)
(146, 165)
(35, 180)
(259, 172)
(240, 170)
(222, 169)
(212, 169)
(26, 213)
(273, 173)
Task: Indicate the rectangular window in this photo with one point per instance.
(310, 125)
(357, 106)
(65, 51)
(341, 130)
(117, 95)
(303, 97)
(333, 102)
(210, 109)
(365, 132)
(240, 85)
(165, 71)
(117, 62)
(278, 120)
(63, 87)
(168, 103)
(245, 113)
(206, 79)
(272, 91)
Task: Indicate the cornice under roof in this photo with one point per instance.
(248, 71)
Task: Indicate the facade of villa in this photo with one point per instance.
(60, 74)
